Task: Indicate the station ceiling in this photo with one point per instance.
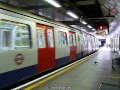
(93, 12)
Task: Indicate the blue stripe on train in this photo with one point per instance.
(14, 76)
(62, 61)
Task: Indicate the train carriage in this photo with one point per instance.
(30, 44)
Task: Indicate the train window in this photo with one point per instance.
(41, 37)
(7, 36)
(62, 38)
(79, 38)
(21, 37)
(74, 42)
(93, 43)
(50, 38)
(71, 39)
(14, 35)
(85, 41)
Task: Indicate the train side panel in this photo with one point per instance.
(62, 45)
(16, 60)
(20, 51)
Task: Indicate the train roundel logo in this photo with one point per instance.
(19, 58)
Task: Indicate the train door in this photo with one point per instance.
(72, 46)
(46, 47)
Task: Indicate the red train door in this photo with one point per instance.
(46, 47)
(72, 46)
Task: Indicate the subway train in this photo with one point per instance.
(30, 44)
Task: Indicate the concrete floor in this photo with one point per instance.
(86, 76)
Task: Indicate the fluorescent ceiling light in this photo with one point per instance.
(83, 22)
(93, 29)
(54, 3)
(89, 26)
(72, 14)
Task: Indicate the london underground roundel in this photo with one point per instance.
(19, 58)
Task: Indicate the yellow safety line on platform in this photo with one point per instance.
(58, 73)
(112, 77)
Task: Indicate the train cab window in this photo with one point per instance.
(62, 38)
(50, 38)
(41, 37)
(14, 35)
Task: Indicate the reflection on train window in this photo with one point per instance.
(14, 35)
(62, 38)
(50, 38)
(41, 37)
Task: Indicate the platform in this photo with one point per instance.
(85, 76)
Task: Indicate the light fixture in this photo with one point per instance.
(93, 29)
(83, 22)
(101, 27)
(54, 3)
(72, 14)
(89, 26)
